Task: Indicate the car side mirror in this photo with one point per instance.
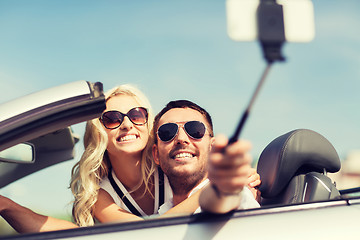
(20, 153)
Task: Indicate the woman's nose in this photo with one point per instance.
(126, 124)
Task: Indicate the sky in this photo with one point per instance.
(181, 50)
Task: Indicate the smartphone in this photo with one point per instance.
(298, 16)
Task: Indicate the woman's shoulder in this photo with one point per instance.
(105, 183)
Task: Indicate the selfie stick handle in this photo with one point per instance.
(271, 35)
(246, 113)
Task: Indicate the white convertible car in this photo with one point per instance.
(299, 200)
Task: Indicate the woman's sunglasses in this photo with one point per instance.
(113, 119)
(193, 129)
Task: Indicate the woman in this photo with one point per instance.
(115, 151)
(116, 156)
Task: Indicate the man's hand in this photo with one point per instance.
(229, 171)
(229, 168)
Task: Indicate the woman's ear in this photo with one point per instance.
(155, 154)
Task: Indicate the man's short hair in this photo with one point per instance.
(182, 104)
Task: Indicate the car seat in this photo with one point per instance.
(293, 169)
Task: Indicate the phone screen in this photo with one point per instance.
(299, 21)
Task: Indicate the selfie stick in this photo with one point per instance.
(271, 36)
(246, 113)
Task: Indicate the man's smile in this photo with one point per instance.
(183, 155)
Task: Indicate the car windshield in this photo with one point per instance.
(181, 50)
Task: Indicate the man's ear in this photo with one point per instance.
(155, 154)
(212, 140)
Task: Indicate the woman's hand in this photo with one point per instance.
(253, 182)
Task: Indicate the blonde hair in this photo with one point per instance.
(94, 163)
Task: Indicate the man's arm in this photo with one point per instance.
(228, 171)
(24, 220)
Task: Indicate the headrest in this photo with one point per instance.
(296, 152)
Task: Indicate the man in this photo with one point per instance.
(188, 154)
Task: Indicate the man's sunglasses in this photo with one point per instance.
(193, 129)
(113, 119)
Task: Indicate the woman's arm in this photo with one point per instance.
(186, 207)
(24, 220)
(191, 204)
(106, 210)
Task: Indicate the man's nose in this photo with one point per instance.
(182, 137)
